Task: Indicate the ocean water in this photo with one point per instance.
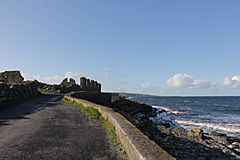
(221, 114)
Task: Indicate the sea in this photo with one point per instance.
(219, 114)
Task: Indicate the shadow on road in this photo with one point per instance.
(19, 110)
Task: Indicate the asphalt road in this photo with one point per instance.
(47, 128)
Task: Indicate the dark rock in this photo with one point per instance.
(217, 134)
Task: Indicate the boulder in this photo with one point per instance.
(234, 145)
(196, 133)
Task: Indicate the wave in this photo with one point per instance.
(233, 128)
(170, 110)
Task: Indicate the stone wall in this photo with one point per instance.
(10, 91)
(100, 98)
(11, 77)
(136, 144)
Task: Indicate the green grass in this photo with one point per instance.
(94, 114)
(47, 91)
(113, 136)
(90, 112)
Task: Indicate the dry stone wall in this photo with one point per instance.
(10, 91)
(12, 86)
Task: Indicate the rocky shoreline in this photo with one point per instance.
(180, 143)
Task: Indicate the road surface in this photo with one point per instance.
(47, 128)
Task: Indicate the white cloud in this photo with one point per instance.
(180, 81)
(51, 80)
(76, 75)
(189, 82)
(233, 82)
(202, 83)
(237, 78)
(55, 79)
(145, 85)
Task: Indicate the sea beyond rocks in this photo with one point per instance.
(180, 143)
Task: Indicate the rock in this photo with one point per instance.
(180, 132)
(234, 145)
(163, 129)
(218, 134)
(169, 149)
(196, 133)
(237, 144)
(159, 140)
(237, 150)
(231, 146)
(167, 125)
(220, 137)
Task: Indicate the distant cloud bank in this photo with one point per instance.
(187, 81)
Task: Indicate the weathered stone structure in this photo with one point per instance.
(67, 84)
(89, 85)
(66, 87)
(11, 77)
(97, 97)
(12, 86)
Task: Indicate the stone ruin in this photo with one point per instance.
(11, 77)
(89, 85)
(66, 83)
(70, 86)
(12, 86)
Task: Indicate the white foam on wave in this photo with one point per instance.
(162, 108)
(232, 128)
(169, 110)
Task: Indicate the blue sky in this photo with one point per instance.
(157, 47)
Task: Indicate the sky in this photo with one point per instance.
(159, 47)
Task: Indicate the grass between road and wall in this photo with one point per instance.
(94, 114)
(48, 91)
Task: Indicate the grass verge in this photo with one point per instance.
(90, 112)
(48, 91)
(94, 114)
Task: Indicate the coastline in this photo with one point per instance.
(178, 142)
